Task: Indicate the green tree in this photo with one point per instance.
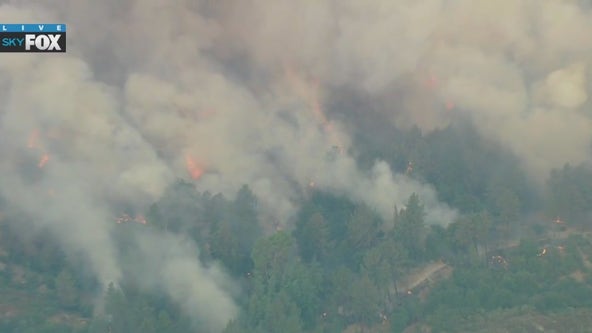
(410, 227)
(438, 243)
(66, 289)
(281, 315)
(179, 210)
(117, 310)
(507, 204)
(225, 246)
(99, 324)
(377, 267)
(286, 292)
(385, 264)
(314, 240)
(304, 285)
(235, 232)
(156, 217)
(164, 322)
(569, 193)
(363, 229)
(247, 222)
(471, 232)
(366, 302)
(234, 326)
(272, 257)
(340, 281)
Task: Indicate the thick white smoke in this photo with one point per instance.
(518, 68)
(87, 146)
(235, 90)
(69, 157)
(173, 267)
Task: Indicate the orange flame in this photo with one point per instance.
(317, 109)
(409, 168)
(124, 218)
(309, 90)
(43, 161)
(194, 170)
(315, 104)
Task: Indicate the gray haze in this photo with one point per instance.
(235, 92)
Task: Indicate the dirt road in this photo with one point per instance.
(425, 273)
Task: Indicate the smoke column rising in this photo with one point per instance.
(238, 88)
(519, 69)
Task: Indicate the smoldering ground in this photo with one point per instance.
(149, 91)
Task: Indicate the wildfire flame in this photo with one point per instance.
(409, 168)
(123, 218)
(315, 105)
(43, 161)
(127, 218)
(499, 261)
(309, 91)
(433, 83)
(33, 143)
(194, 170)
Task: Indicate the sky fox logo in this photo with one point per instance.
(49, 42)
(32, 38)
(43, 42)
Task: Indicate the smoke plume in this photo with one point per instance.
(519, 69)
(234, 92)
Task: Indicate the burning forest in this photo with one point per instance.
(318, 147)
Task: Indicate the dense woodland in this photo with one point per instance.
(339, 266)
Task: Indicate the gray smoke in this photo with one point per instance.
(519, 69)
(236, 90)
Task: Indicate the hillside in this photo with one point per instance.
(337, 265)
